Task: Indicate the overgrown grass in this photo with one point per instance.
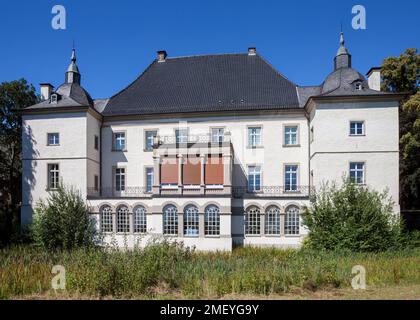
(171, 268)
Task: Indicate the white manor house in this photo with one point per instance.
(211, 150)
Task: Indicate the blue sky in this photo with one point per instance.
(117, 40)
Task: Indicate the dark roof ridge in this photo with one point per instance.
(275, 70)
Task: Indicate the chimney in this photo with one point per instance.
(46, 90)
(374, 78)
(252, 51)
(161, 56)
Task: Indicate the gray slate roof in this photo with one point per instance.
(70, 95)
(227, 82)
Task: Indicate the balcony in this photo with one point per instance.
(188, 140)
(110, 192)
(272, 192)
(206, 190)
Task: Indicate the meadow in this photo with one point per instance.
(172, 271)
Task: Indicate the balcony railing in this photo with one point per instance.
(237, 192)
(110, 192)
(272, 191)
(193, 139)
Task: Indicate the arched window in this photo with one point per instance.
(106, 219)
(139, 219)
(252, 221)
(272, 220)
(191, 221)
(123, 224)
(212, 221)
(291, 224)
(170, 220)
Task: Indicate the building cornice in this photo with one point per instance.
(380, 97)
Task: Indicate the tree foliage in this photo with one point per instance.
(62, 222)
(14, 95)
(402, 74)
(351, 217)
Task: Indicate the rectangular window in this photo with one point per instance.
(357, 172)
(290, 135)
(191, 173)
(214, 170)
(357, 128)
(96, 143)
(169, 172)
(149, 135)
(119, 179)
(96, 182)
(53, 176)
(149, 179)
(254, 137)
(217, 135)
(181, 135)
(254, 178)
(119, 141)
(53, 139)
(290, 177)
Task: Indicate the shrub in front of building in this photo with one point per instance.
(62, 222)
(352, 217)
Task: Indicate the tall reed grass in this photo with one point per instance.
(164, 267)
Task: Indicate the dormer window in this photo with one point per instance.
(54, 98)
(358, 86)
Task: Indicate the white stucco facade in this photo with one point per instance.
(240, 175)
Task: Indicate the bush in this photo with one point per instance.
(62, 221)
(352, 217)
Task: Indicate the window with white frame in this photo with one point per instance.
(149, 179)
(290, 177)
(191, 221)
(119, 141)
(357, 172)
(291, 135)
(254, 178)
(291, 223)
(123, 224)
(139, 220)
(53, 176)
(53, 139)
(252, 221)
(212, 221)
(119, 179)
(357, 128)
(181, 135)
(254, 137)
(217, 135)
(149, 136)
(272, 220)
(170, 220)
(106, 219)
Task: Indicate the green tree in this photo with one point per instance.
(351, 217)
(62, 221)
(14, 95)
(402, 74)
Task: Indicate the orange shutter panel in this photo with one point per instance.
(192, 171)
(214, 170)
(169, 171)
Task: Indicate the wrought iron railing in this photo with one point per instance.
(237, 192)
(128, 192)
(200, 138)
(272, 191)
